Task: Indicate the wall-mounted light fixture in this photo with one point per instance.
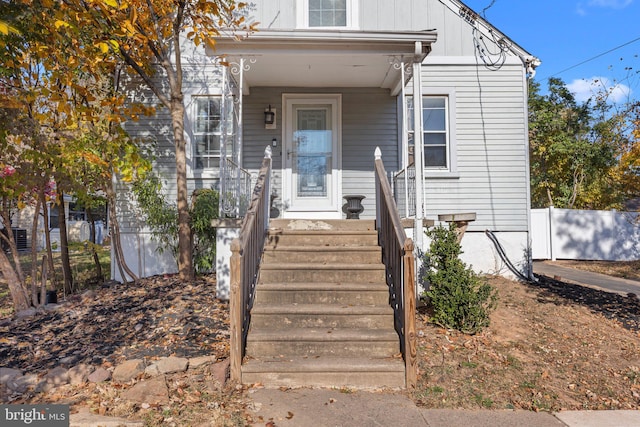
(269, 116)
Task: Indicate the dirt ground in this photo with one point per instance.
(551, 346)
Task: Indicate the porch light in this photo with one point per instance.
(269, 116)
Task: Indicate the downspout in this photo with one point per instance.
(529, 71)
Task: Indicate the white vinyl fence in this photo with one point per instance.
(585, 235)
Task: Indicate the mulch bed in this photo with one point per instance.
(624, 309)
(158, 316)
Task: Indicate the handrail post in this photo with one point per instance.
(378, 156)
(409, 296)
(236, 312)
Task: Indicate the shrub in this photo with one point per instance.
(460, 298)
(204, 208)
(161, 217)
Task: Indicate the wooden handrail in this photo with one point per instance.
(398, 258)
(246, 251)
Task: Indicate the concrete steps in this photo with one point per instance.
(322, 371)
(324, 293)
(321, 315)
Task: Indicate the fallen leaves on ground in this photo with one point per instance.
(158, 316)
(625, 269)
(155, 317)
(551, 346)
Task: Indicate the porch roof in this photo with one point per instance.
(327, 58)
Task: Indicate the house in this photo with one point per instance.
(351, 76)
(78, 226)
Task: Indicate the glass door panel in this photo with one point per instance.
(312, 151)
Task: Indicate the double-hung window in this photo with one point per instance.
(207, 132)
(436, 131)
(327, 13)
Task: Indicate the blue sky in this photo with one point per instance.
(564, 33)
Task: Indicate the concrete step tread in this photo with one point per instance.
(323, 364)
(321, 225)
(329, 248)
(323, 335)
(281, 231)
(318, 266)
(319, 309)
(324, 286)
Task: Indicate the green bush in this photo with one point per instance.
(204, 208)
(460, 298)
(161, 217)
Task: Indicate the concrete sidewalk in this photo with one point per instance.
(333, 408)
(581, 277)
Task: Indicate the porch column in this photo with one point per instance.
(418, 141)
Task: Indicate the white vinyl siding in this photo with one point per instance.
(491, 146)
(155, 134)
(455, 36)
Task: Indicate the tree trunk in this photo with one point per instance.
(64, 247)
(47, 240)
(19, 294)
(114, 231)
(43, 281)
(96, 259)
(185, 247)
(34, 256)
(13, 247)
(12, 275)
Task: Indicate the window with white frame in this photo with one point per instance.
(436, 133)
(327, 13)
(207, 132)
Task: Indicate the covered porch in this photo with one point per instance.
(323, 101)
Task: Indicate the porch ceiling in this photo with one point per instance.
(307, 58)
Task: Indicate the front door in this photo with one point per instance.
(312, 156)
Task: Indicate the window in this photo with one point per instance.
(327, 13)
(436, 132)
(207, 132)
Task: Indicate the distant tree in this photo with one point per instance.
(573, 150)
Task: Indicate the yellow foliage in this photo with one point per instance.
(60, 23)
(5, 28)
(103, 47)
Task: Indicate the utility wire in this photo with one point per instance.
(592, 58)
(484, 11)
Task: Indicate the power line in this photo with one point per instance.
(484, 11)
(592, 58)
